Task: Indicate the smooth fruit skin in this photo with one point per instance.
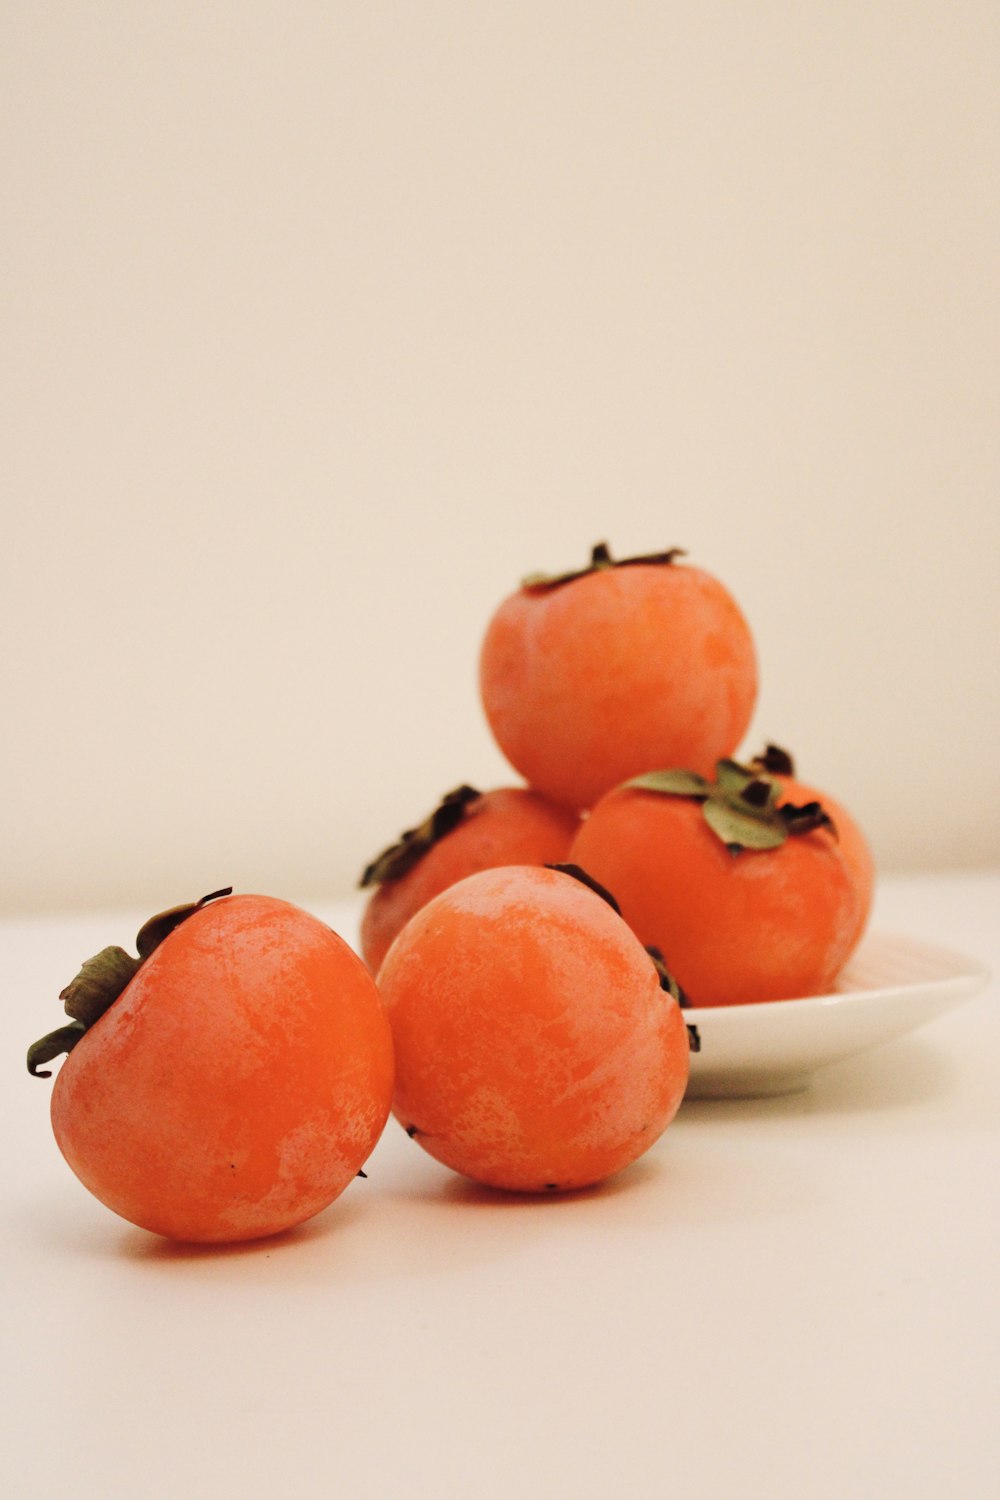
(615, 673)
(771, 924)
(508, 826)
(239, 1082)
(535, 1049)
(851, 842)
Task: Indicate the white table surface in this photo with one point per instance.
(792, 1297)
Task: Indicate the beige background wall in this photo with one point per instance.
(323, 323)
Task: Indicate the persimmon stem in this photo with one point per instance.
(600, 561)
(102, 979)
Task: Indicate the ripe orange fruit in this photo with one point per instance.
(535, 1047)
(776, 920)
(469, 831)
(851, 841)
(590, 678)
(236, 1084)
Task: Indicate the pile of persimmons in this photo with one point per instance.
(533, 954)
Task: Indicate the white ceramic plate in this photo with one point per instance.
(891, 986)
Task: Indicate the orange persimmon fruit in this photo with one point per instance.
(536, 1048)
(851, 841)
(747, 894)
(468, 831)
(590, 678)
(231, 1081)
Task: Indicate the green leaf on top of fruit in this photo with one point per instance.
(741, 806)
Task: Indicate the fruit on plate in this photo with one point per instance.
(748, 895)
(591, 677)
(778, 764)
(537, 1048)
(230, 1081)
(467, 832)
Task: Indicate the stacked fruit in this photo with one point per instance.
(620, 692)
(532, 946)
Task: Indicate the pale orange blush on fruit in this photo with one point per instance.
(851, 841)
(592, 681)
(535, 1047)
(759, 925)
(238, 1083)
(508, 826)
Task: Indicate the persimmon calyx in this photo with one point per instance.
(98, 984)
(401, 857)
(669, 983)
(774, 761)
(48, 1047)
(600, 561)
(102, 979)
(576, 872)
(741, 805)
(667, 980)
(152, 933)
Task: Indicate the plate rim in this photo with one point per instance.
(968, 968)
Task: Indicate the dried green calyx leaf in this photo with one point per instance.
(600, 561)
(744, 824)
(152, 933)
(98, 984)
(677, 783)
(412, 845)
(741, 805)
(102, 979)
(54, 1045)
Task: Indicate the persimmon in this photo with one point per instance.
(748, 895)
(779, 765)
(230, 1081)
(589, 678)
(536, 1047)
(468, 831)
